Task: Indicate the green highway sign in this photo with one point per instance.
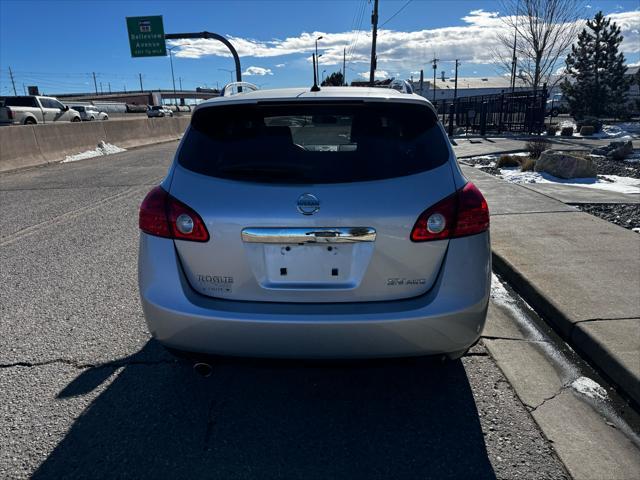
(146, 36)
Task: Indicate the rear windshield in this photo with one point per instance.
(20, 102)
(313, 142)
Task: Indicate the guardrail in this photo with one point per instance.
(34, 145)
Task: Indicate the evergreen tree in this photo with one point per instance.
(334, 80)
(598, 71)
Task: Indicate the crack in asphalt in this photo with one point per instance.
(83, 366)
(96, 187)
(20, 234)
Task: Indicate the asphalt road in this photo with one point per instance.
(86, 393)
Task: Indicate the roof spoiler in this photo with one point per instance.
(235, 88)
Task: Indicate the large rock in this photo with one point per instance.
(565, 165)
(620, 150)
(617, 150)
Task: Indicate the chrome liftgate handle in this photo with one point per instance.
(309, 235)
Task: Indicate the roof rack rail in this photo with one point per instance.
(235, 88)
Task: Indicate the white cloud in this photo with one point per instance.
(380, 74)
(280, 65)
(257, 71)
(471, 42)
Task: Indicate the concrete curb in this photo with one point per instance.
(591, 346)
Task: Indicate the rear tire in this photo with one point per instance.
(75, 119)
(30, 121)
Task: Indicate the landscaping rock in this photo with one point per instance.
(566, 132)
(618, 150)
(564, 165)
(587, 130)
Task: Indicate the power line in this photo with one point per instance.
(394, 15)
(357, 35)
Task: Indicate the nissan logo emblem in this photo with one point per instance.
(308, 204)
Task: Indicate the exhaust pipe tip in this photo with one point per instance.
(203, 369)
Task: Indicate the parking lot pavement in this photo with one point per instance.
(85, 392)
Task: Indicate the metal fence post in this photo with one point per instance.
(451, 114)
(483, 119)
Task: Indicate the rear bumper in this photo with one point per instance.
(447, 319)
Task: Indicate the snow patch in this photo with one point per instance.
(589, 388)
(612, 183)
(103, 148)
(621, 131)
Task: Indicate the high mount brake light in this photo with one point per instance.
(459, 215)
(164, 216)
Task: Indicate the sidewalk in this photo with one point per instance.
(474, 146)
(581, 273)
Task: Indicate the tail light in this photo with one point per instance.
(459, 215)
(164, 216)
(9, 114)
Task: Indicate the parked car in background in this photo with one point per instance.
(88, 113)
(159, 111)
(329, 224)
(32, 109)
(556, 105)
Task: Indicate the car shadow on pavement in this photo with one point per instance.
(413, 418)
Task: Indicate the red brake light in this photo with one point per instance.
(473, 212)
(164, 216)
(459, 215)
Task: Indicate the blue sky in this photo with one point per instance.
(58, 44)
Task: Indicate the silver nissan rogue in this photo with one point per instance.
(315, 224)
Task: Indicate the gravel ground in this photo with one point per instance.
(625, 215)
(606, 166)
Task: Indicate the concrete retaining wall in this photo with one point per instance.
(28, 146)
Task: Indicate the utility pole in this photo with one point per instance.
(95, 84)
(13, 82)
(180, 81)
(344, 69)
(374, 34)
(455, 85)
(109, 87)
(140, 77)
(101, 91)
(125, 87)
(435, 67)
(24, 89)
(514, 62)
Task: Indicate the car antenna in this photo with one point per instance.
(315, 87)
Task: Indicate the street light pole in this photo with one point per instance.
(173, 79)
(230, 72)
(317, 57)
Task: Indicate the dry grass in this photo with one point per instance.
(528, 165)
(506, 161)
(536, 146)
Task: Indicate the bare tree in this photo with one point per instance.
(542, 30)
